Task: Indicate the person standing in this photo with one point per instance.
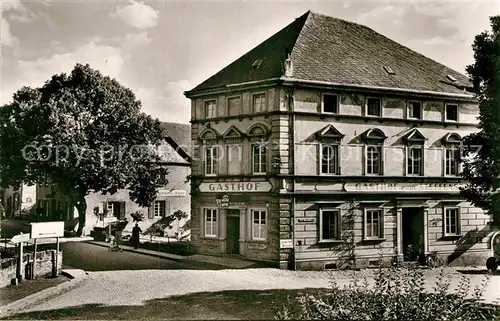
(136, 231)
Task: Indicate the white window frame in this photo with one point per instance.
(410, 108)
(458, 165)
(228, 158)
(380, 107)
(458, 221)
(337, 107)
(206, 104)
(321, 159)
(422, 159)
(158, 213)
(264, 232)
(215, 229)
(446, 113)
(261, 95)
(214, 160)
(380, 162)
(337, 223)
(265, 161)
(380, 224)
(110, 209)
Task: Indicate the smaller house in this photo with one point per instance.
(18, 201)
(171, 198)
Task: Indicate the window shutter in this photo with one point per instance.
(382, 157)
(122, 210)
(381, 222)
(151, 210)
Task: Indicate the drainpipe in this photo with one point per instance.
(291, 160)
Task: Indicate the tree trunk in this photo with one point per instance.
(81, 206)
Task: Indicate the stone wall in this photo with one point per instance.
(45, 264)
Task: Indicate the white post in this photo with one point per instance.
(56, 258)
(20, 263)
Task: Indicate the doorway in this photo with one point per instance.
(233, 232)
(413, 233)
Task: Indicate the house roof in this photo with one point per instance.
(179, 140)
(330, 50)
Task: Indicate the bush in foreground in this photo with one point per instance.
(398, 294)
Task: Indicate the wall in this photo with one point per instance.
(393, 124)
(44, 266)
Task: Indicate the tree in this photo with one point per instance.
(481, 167)
(81, 133)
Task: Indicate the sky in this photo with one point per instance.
(159, 49)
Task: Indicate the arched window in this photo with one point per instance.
(374, 160)
(258, 134)
(451, 144)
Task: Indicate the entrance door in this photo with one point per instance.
(413, 233)
(233, 233)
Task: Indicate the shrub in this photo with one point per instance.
(397, 294)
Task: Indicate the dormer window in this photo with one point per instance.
(256, 63)
(373, 107)
(330, 104)
(451, 112)
(415, 153)
(415, 109)
(374, 139)
(451, 78)
(389, 70)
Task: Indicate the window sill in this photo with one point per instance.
(451, 237)
(374, 240)
(259, 241)
(330, 241)
(206, 237)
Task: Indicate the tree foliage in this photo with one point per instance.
(481, 167)
(79, 133)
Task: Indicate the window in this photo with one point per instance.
(233, 105)
(415, 109)
(259, 230)
(451, 221)
(373, 159)
(329, 224)
(233, 159)
(210, 109)
(210, 222)
(374, 139)
(415, 160)
(160, 209)
(330, 159)
(373, 107)
(452, 143)
(451, 112)
(373, 224)
(259, 103)
(259, 158)
(211, 160)
(451, 161)
(330, 104)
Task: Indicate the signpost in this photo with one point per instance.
(47, 230)
(20, 238)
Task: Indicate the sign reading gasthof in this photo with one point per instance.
(47, 229)
(235, 187)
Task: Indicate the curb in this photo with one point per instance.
(163, 255)
(77, 277)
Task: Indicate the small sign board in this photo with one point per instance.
(47, 229)
(225, 201)
(286, 244)
(20, 238)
